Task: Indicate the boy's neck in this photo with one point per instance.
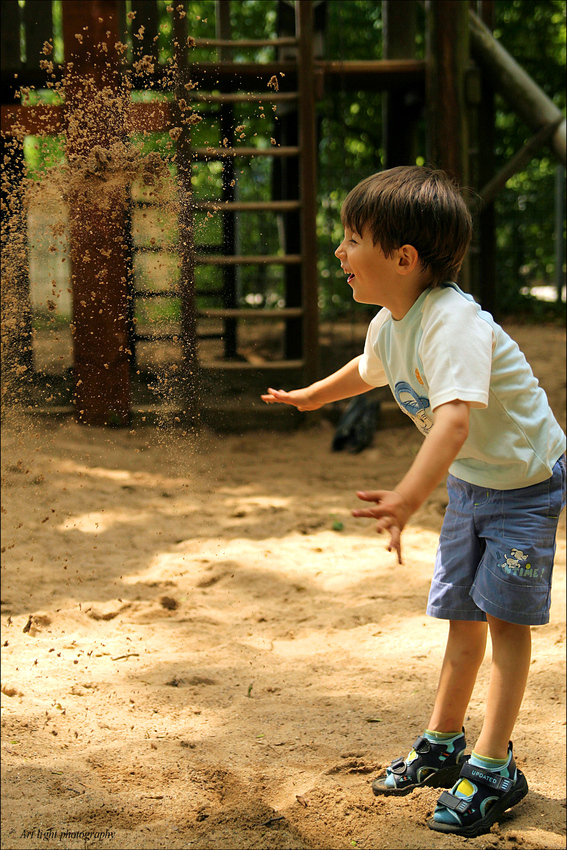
(404, 297)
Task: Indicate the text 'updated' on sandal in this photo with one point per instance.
(479, 798)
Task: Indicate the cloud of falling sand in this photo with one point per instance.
(101, 163)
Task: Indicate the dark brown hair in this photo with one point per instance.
(413, 205)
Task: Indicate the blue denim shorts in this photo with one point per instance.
(496, 551)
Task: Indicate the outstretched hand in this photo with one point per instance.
(296, 398)
(392, 512)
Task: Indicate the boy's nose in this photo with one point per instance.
(339, 250)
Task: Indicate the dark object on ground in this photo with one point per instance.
(357, 425)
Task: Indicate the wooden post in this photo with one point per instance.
(401, 106)
(190, 364)
(447, 64)
(17, 344)
(308, 182)
(97, 216)
(485, 283)
(229, 273)
(286, 186)
(559, 224)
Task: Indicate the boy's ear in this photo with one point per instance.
(408, 259)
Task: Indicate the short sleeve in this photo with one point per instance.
(370, 366)
(456, 352)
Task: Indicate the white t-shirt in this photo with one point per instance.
(447, 348)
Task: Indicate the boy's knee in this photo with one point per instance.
(467, 627)
(504, 629)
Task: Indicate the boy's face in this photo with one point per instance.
(370, 273)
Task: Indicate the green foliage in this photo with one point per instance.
(350, 147)
(534, 33)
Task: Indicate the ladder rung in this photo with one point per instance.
(247, 206)
(151, 293)
(245, 364)
(247, 42)
(250, 313)
(157, 337)
(227, 153)
(234, 260)
(234, 70)
(276, 97)
(154, 249)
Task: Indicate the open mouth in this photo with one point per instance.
(350, 278)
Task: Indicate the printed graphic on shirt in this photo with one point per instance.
(515, 564)
(418, 376)
(414, 405)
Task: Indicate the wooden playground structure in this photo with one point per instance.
(455, 84)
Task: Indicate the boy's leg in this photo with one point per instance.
(490, 782)
(511, 654)
(437, 756)
(464, 653)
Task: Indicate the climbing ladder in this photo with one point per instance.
(225, 85)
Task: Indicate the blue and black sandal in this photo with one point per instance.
(430, 763)
(490, 793)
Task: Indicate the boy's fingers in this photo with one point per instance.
(273, 396)
(374, 513)
(370, 495)
(365, 513)
(395, 542)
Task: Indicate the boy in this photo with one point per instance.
(487, 423)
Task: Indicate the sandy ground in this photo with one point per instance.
(203, 649)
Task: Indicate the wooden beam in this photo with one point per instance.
(515, 85)
(447, 109)
(247, 259)
(258, 314)
(447, 62)
(187, 286)
(401, 108)
(40, 120)
(238, 44)
(97, 219)
(518, 161)
(484, 283)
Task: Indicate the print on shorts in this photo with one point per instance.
(516, 563)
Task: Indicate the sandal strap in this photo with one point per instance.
(398, 766)
(421, 746)
(496, 783)
(488, 778)
(456, 804)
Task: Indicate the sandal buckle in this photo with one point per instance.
(422, 745)
(456, 804)
(398, 766)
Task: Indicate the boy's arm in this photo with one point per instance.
(441, 446)
(344, 383)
